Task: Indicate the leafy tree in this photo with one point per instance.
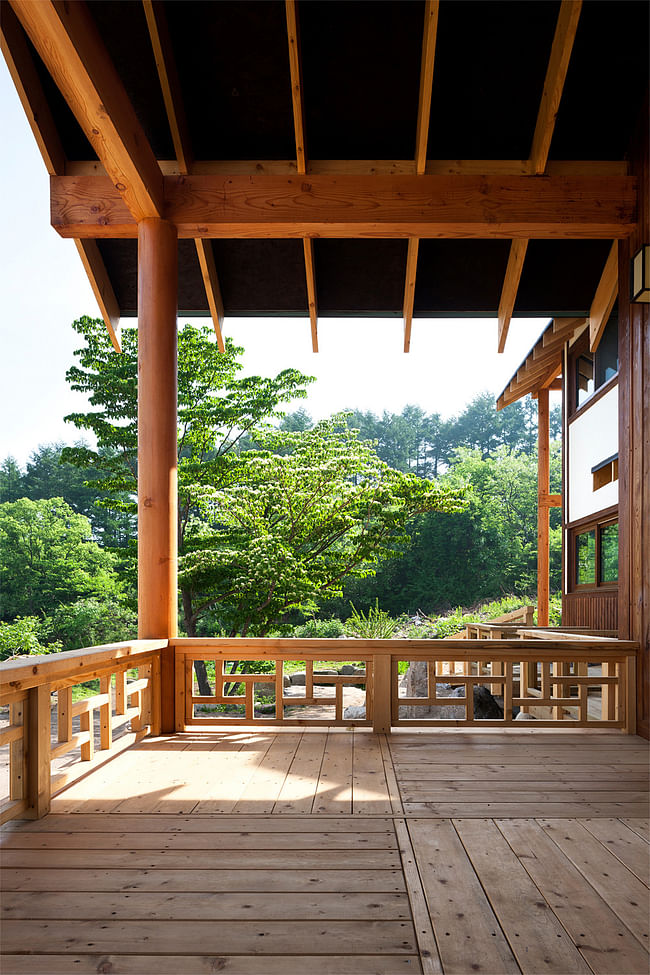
(11, 480)
(22, 637)
(90, 622)
(294, 519)
(48, 558)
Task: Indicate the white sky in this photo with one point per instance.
(43, 288)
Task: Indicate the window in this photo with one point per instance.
(591, 370)
(605, 472)
(595, 549)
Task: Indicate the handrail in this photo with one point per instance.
(30, 685)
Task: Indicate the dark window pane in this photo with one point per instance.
(607, 354)
(609, 553)
(586, 558)
(584, 378)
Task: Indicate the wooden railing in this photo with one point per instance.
(38, 692)
(582, 682)
(559, 679)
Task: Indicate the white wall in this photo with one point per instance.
(593, 436)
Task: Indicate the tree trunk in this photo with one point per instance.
(190, 628)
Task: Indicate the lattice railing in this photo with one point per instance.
(53, 739)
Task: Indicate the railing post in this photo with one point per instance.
(630, 694)
(38, 752)
(382, 681)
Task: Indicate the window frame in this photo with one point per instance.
(598, 525)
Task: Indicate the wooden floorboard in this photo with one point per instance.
(256, 852)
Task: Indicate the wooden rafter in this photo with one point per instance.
(205, 255)
(170, 85)
(543, 364)
(102, 288)
(606, 292)
(558, 64)
(295, 68)
(70, 46)
(360, 206)
(166, 66)
(32, 97)
(431, 10)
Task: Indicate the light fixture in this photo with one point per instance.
(640, 288)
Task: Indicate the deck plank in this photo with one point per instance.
(627, 846)
(607, 944)
(468, 933)
(334, 790)
(209, 964)
(627, 896)
(536, 937)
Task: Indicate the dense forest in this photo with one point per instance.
(281, 519)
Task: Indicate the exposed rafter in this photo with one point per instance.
(166, 66)
(205, 255)
(431, 9)
(543, 364)
(360, 206)
(70, 46)
(170, 85)
(295, 69)
(558, 64)
(102, 288)
(606, 292)
(30, 90)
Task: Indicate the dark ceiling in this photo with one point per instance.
(361, 67)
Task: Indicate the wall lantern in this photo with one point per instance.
(640, 289)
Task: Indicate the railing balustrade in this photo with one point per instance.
(559, 679)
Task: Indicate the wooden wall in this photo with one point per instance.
(634, 442)
(595, 610)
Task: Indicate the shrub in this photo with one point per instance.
(375, 625)
(22, 637)
(319, 629)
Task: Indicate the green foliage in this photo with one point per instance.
(48, 558)
(294, 519)
(319, 629)
(22, 637)
(91, 622)
(373, 625)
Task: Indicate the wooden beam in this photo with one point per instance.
(296, 85)
(30, 91)
(308, 245)
(157, 447)
(606, 292)
(154, 12)
(543, 492)
(66, 38)
(359, 206)
(509, 290)
(565, 31)
(431, 10)
(205, 255)
(558, 65)
(102, 288)
(295, 68)
(409, 290)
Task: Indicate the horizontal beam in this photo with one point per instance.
(357, 206)
(372, 167)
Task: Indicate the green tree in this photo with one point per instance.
(295, 518)
(48, 558)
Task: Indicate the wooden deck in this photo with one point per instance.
(342, 852)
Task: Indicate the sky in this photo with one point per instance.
(360, 366)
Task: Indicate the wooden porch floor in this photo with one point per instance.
(342, 852)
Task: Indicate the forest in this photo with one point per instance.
(286, 525)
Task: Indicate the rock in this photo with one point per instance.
(354, 712)
(485, 704)
(299, 679)
(265, 687)
(348, 670)
(286, 680)
(525, 717)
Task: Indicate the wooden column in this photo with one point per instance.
(157, 452)
(634, 441)
(543, 511)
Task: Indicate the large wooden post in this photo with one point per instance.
(157, 452)
(543, 511)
